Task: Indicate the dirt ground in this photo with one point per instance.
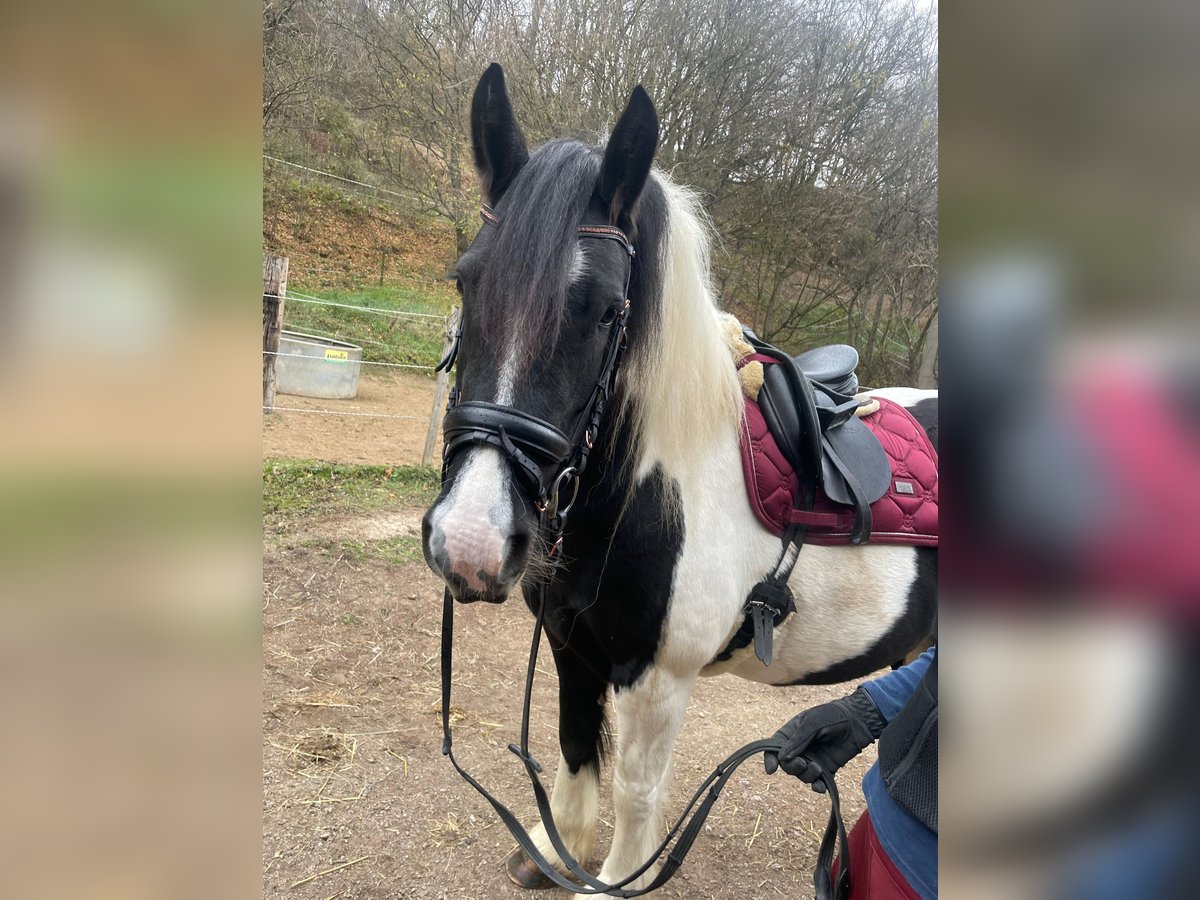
(358, 800)
(355, 438)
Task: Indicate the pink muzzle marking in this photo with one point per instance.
(474, 546)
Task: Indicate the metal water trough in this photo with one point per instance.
(313, 366)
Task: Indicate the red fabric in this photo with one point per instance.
(897, 518)
(1149, 539)
(873, 876)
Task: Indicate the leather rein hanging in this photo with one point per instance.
(547, 460)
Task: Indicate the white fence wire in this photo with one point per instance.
(375, 190)
(320, 301)
(342, 362)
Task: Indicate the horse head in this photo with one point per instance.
(545, 292)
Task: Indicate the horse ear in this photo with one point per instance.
(496, 139)
(628, 157)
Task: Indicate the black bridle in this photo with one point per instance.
(547, 460)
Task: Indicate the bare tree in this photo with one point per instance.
(809, 125)
(297, 60)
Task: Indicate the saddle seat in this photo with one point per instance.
(832, 365)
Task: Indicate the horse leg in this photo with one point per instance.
(648, 718)
(576, 797)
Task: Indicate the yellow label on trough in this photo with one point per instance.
(337, 355)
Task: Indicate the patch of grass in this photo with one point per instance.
(400, 550)
(351, 619)
(354, 549)
(397, 551)
(409, 341)
(294, 488)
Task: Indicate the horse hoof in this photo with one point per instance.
(525, 874)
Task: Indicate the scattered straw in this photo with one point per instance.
(325, 783)
(315, 875)
(403, 759)
(457, 713)
(812, 830)
(449, 831)
(323, 747)
(756, 833)
(334, 703)
(320, 800)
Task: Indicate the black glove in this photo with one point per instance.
(821, 740)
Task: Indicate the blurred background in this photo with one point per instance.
(149, 154)
(1070, 207)
(129, 479)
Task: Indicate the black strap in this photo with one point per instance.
(772, 591)
(609, 232)
(701, 802)
(535, 448)
(862, 509)
(446, 363)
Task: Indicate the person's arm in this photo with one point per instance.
(891, 691)
(819, 741)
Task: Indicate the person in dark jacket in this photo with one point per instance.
(893, 847)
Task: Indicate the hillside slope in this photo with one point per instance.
(336, 239)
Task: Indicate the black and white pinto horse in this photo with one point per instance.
(662, 546)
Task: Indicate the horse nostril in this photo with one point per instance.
(516, 554)
(433, 544)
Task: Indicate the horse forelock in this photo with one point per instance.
(533, 252)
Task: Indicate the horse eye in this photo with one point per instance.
(610, 316)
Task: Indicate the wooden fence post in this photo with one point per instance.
(439, 392)
(275, 272)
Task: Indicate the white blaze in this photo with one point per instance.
(476, 517)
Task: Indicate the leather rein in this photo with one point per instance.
(549, 461)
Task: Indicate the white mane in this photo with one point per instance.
(684, 388)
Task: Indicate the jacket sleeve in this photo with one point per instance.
(891, 691)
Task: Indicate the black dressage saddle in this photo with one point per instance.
(808, 403)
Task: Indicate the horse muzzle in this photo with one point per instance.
(479, 553)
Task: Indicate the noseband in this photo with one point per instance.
(548, 461)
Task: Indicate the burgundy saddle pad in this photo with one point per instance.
(906, 514)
